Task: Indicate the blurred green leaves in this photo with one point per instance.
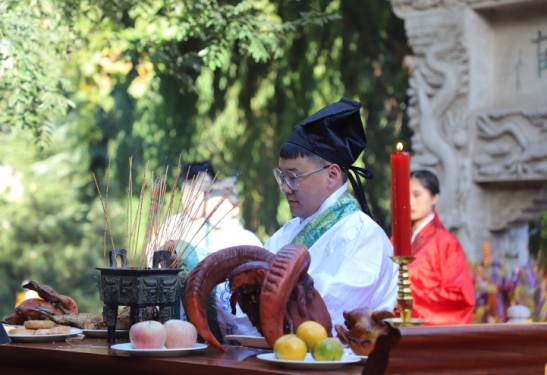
(42, 44)
(94, 80)
(220, 80)
(35, 42)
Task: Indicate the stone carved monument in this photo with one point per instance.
(478, 110)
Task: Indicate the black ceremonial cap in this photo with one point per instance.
(336, 134)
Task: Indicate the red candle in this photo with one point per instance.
(400, 202)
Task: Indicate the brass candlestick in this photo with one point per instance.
(404, 300)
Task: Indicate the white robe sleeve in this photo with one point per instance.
(350, 265)
(352, 268)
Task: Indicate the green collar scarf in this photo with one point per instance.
(344, 206)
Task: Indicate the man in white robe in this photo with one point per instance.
(228, 230)
(350, 262)
(350, 253)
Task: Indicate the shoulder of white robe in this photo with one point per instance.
(274, 243)
(361, 238)
(251, 239)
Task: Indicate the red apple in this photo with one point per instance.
(180, 334)
(147, 335)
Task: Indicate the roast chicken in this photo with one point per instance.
(51, 302)
(95, 320)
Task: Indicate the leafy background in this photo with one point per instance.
(85, 82)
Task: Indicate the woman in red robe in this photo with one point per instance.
(441, 283)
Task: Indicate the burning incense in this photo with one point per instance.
(104, 210)
(179, 256)
(168, 222)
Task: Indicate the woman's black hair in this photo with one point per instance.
(428, 180)
(203, 170)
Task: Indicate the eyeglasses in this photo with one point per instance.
(291, 178)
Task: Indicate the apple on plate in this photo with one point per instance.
(148, 335)
(180, 334)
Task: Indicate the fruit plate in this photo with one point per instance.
(164, 352)
(103, 333)
(363, 358)
(44, 338)
(309, 363)
(250, 341)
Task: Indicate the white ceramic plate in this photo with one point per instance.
(309, 363)
(103, 333)
(9, 327)
(44, 338)
(363, 358)
(250, 341)
(129, 348)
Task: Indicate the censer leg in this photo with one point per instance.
(166, 313)
(110, 316)
(138, 314)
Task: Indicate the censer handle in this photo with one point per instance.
(158, 255)
(115, 253)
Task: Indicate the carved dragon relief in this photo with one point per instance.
(513, 145)
(447, 141)
(515, 206)
(439, 78)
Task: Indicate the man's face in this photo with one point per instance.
(195, 203)
(421, 200)
(224, 213)
(313, 189)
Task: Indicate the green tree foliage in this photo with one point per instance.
(247, 110)
(34, 46)
(538, 238)
(51, 223)
(220, 80)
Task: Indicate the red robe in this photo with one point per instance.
(441, 283)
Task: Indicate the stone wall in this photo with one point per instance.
(478, 109)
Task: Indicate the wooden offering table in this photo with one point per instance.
(94, 356)
(466, 349)
(517, 349)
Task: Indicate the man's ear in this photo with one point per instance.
(334, 176)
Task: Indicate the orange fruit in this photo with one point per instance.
(311, 333)
(328, 350)
(290, 347)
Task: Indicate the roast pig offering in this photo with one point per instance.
(364, 326)
(274, 290)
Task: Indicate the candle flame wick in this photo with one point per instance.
(399, 146)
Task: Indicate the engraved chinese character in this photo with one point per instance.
(541, 54)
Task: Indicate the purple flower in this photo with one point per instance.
(500, 307)
(496, 272)
(531, 276)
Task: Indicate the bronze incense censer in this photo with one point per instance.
(138, 288)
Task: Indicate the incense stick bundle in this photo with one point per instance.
(167, 225)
